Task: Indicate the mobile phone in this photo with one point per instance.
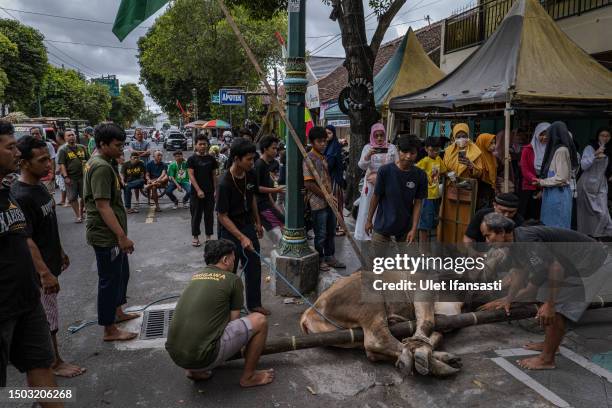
(381, 149)
(462, 154)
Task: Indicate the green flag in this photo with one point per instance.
(133, 12)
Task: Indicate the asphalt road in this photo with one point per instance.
(142, 374)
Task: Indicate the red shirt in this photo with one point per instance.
(528, 167)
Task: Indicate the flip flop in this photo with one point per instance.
(195, 243)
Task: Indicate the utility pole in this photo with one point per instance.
(294, 258)
(194, 96)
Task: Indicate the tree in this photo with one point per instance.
(128, 106)
(66, 93)
(191, 47)
(24, 69)
(8, 50)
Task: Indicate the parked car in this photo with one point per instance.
(175, 141)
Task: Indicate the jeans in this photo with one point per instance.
(113, 277)
(127, 191)
(170, 191)
(324, 226)
(252, 273)
(205, 206)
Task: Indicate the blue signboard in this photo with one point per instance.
(231, 97)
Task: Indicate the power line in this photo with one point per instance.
(73, 59)
(68, 63)
(93, 45)
(65, 17)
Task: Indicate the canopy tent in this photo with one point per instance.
(409, 70)
(528, 61)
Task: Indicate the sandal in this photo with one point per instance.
(196, 243)
(340, 233)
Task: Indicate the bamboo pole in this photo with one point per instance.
(406, 329)
(507, 148)
(292, 132)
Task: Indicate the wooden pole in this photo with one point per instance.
(406, 329)
(507, 148)
(292, 132)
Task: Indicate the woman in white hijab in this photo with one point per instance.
(531, 164)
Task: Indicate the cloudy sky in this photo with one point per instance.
(100, 53)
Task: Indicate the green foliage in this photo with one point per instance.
(65, 93)
(8, 50)
(23, 69)
(147, 118)
(192, 46)
(128, 106)
(261, 9)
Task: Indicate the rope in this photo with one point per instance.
(294, 289)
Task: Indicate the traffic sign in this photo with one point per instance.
(231, 97)
(215, 98)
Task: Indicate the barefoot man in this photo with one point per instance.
(39, 208)
(207, 329)
(561, 269)
(107, 230)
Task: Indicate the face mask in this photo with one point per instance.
(461, 142)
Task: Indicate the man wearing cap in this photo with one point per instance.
(505, 204)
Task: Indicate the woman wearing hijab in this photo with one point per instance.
(333, 154)
(488, 178)
(560, 159)
(373, 156)
(463, 156)
(592, 201)
(530, 165)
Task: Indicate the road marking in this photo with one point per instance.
(530, 382)
(586, 364)
(515, 352)
(150, 216)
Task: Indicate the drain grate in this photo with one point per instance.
(156, 323)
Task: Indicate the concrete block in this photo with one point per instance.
(303, 273)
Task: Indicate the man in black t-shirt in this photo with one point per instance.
(271, 216)
(505, 204)
(24, 332)
(239, 219)
(562, 269)
(39, 208)
(133, 175)
(202, 169)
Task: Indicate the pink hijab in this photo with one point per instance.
(375, 128)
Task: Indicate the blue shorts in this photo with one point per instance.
(429, 214)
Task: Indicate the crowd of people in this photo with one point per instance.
(401, 197)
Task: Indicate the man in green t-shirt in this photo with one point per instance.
(71, 158)
(207, 329)
(107, 230)
(179, 179)
(91, 142)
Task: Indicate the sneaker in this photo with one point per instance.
(175, 206)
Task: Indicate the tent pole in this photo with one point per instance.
(507, 149)
(390, 124)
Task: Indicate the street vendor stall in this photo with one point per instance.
(528, 68)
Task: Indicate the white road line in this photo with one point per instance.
(150, 216)
(588, 365)
(530, 382)
(515, 352)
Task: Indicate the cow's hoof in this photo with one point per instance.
(405, 362)
(448, 358)
(422, 357)
(441, 369)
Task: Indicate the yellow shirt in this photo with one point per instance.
(434, 168)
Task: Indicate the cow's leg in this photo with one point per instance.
(380, 344)
(420, 341)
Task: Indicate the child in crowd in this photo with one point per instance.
(434, 167)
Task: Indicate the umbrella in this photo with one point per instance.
(216, 124)
(198, 124)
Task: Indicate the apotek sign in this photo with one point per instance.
(231, 97)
